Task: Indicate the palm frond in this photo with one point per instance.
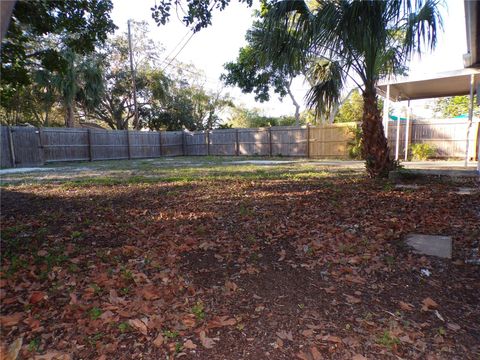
(327, 79)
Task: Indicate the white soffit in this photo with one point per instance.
(451, 83)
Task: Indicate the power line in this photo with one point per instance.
(176, 46)
(179, 51)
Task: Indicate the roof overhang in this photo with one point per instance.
(472, 15)
(451, 83)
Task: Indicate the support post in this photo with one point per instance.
(397, 139)
(470, 117)
(12, 147)
(90, 152)
(308, 140)
(386, 108)
(237, 145)
(270, 140)
(407, 128)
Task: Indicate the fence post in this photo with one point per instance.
(237, 145)
(12, 149)
(160, 142)
(41, 147)
(89, 138)
(308, 140)
(270, 139)
(128, 144)
(208, 142)
(184, 145)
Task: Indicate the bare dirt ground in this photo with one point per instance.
(218, 261)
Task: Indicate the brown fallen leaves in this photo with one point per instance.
(428, 304)
(221, 321)
(159, 340)
(230, 287)
(11, 320)
(406, 306)
(145, 276)
(139, 325)
(36, 297)
(313, 354)
(207, 342)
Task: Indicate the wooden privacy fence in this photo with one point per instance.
(29, 146)
(447, 137)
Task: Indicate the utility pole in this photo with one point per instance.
(134, 84)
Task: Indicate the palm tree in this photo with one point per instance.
(81, 83)
(362, 41)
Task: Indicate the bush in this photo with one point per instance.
(354, 146)
(422, 151)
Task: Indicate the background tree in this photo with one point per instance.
(242, 117)
(351, 110)
(253, 72)
(39, 35)
(360, 40)
(188, 106)
(450, 107)
(116, 107)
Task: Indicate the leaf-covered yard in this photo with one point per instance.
(268, 264)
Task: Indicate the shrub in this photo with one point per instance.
(422, 151)
(354, 146)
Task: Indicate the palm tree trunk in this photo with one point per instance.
(375, 147)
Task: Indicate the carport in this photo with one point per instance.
(452, 83)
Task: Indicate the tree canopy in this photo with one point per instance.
(38, 51)
(195, 14)
(255, 73)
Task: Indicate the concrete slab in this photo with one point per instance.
(406, 186)
(434, 245)
(260, 162)
(414, 174)
(466, 191)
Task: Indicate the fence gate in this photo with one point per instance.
(26, 146)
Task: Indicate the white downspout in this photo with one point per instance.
(470, 117)
(407, 128)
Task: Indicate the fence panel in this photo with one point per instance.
(223, 142)
(171, 143)
(254, 141)
(109, 145)
(60, 144)
(196, 143)
(330, 140)
(144, 144)
(26, 146)
(33, 147)
(5, 155)
(289, 141)
(447, 137)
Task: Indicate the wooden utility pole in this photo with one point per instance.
(6, 10)
(134, 84)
